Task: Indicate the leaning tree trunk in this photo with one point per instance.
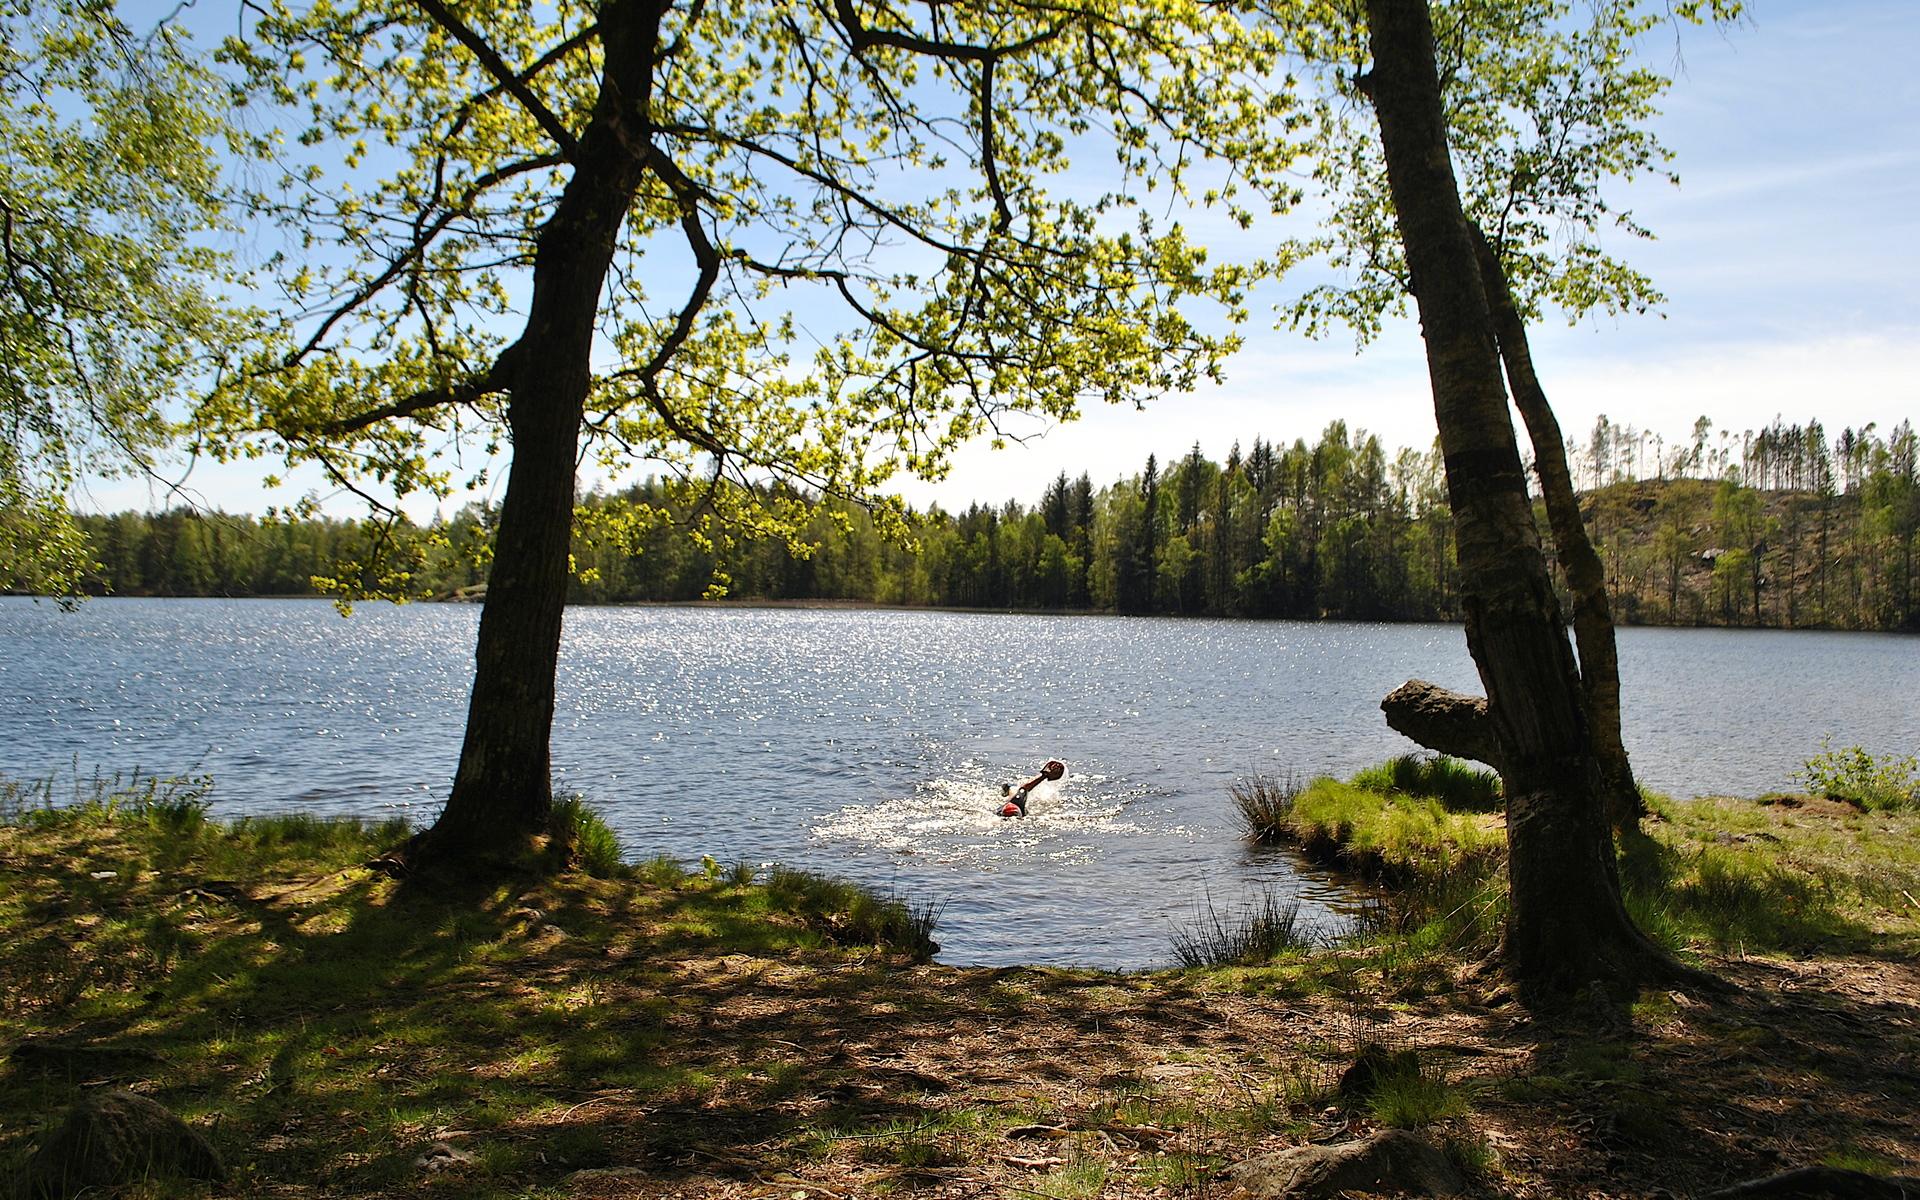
(503, 792)
(1585, 574)
(1566, 926)
(1442, 720)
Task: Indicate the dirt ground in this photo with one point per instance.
(585, 1038)
(858, 1080)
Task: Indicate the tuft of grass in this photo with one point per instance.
(1853, 1158)
(1413, 1095)
(1476, 1157)
(1458, 786)
(1257, 934)
(1080, 1180)
(583, 838)
(851, 914)
(661, 871)
(1264, 802)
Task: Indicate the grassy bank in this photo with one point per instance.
(650, 1030)
(1786, 874)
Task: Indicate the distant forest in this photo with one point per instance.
(1783, 527)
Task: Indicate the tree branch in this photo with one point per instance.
(505, 75)
(860, 38)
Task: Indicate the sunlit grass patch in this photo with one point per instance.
(1789, 875)
(1391, 835)
(1458, 786)
(1411, 1098)
(1079, 1180)
(853, 914)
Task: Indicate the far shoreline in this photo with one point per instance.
(830, 604)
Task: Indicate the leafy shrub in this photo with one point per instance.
(1219, 938)
(1456, 785)
(1264, 803)
(1858, 777)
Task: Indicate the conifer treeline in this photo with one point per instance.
(1779, 528)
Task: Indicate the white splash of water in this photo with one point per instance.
(955, 817)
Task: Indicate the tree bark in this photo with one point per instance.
(1586, 576)
(503, 792)
(1566, 928)
(1442, 720)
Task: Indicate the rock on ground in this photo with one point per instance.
(1393, 1161)
(111, 1139)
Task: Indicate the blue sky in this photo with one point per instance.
(1790, 257)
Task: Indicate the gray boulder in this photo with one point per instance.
(110, 1139)
(1391, 1162)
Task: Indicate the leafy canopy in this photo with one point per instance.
(109, 309)
(1547, 103)
(867, 231)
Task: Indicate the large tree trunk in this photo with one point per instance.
(503, 793)
(1566, 926)
(1586, 575)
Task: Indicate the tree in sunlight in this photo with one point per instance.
(1545, 103)
(811, 245)
(1567, 927)
(109, 305)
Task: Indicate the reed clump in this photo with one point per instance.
(580, 835)
(1223, 937)
(1264, 803)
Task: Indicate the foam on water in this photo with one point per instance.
(955, 818)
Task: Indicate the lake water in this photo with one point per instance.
(872, 744)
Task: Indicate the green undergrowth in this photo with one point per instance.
(1786, 874)
(1864, 779)
(1411, 817)
(1783, 875)
(331, 1023)
(1425, 837)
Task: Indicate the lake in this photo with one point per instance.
(872, 744)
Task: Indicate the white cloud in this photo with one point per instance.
(1844, 380)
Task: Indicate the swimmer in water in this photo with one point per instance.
(1016, 805)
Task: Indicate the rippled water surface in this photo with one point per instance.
(873, 743)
